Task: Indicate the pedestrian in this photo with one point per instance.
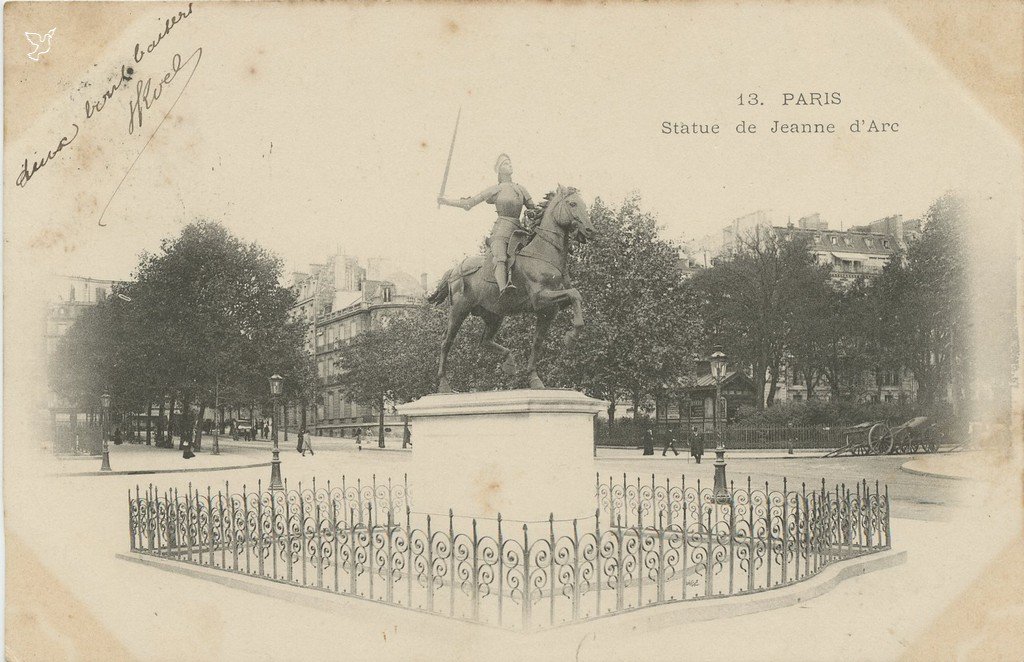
(696, 444)
(670, 441)
(359, 438)
(304, 443)
(406, 436)
(648, 437)
(266, 430)
(187, 449)
(117, 436)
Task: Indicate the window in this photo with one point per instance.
(795, 378)
(817, 239)
(847, 241)
(387, 294)
(885, 243)
(869, 242)
(835, 240)
(71, 294)
(888, 397)
(890, 378)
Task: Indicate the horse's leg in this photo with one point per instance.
(560, 298)
(544, 318)
(456, 316)
(577, 314)
(492, 323)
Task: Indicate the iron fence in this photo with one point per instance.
(773, 438)
(647, 543)
(781, 438)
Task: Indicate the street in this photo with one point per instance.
(76, 530)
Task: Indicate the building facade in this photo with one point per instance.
(339, 300)
(861, 252)
(71, 296)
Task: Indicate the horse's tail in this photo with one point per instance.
(441, 292)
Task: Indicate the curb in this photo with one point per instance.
(140, 472)
(656, 617)
(734, 456)
(931, 474)
(671, 615)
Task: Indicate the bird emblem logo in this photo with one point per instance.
(40, 44)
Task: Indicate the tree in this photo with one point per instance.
(751, 301)
(393, 362)
(204, 316)
(930, 295)
(640, 330)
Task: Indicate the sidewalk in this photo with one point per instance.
(139, 459)
(608, 453)
(975, 465)
(319, 443)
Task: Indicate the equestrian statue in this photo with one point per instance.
(523, 271)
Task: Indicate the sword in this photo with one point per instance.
(447, 166)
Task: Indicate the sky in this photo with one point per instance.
(314, 127)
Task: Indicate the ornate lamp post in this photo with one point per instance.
(105, 404)
(718, 363)
(275, 465)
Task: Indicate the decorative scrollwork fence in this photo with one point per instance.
(648, 543)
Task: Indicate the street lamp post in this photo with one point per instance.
(275, 463)
(105, 404)
(718, 364)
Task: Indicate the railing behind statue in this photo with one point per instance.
(644, 546)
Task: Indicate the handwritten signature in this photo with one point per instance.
(146, 95)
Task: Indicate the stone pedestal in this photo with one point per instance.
(524, 454)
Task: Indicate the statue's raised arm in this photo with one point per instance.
(469, 203)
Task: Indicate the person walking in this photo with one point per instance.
(359, 438)
(670, 441)
(696, 444)
(406, 436)
(648, 437)
(304, 444)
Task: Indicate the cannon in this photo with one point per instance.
(869, 438)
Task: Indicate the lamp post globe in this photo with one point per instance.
(719, 361)
(105, 404)
(276, 387)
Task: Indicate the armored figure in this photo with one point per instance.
(508, 199)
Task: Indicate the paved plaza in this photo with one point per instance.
(76, 561)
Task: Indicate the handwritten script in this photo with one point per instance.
(147, 93)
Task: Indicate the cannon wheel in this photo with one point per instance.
(880, 439)
(903, 442)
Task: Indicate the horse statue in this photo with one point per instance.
(538, 271)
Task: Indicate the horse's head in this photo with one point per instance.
(569, 212)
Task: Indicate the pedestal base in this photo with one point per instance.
(525, 454)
